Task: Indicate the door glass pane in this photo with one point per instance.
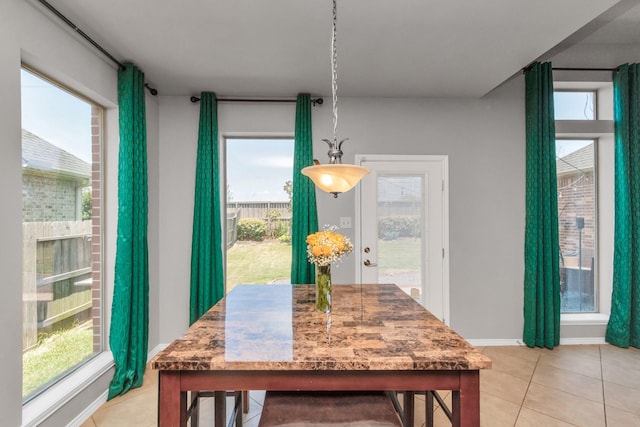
(576, 224)
(259, 192)
(400, 220)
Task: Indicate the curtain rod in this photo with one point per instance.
(314, 101)
(584, 69)
(528, 67)
(67, 21)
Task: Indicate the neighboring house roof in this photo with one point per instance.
(41, 155)
(580, 161)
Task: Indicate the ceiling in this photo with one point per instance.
(400, 48)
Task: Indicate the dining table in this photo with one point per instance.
(270, 337)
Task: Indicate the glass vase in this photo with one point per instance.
(323, 288)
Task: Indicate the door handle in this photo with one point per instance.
(368, 263)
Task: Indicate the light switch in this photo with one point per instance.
(345, 222)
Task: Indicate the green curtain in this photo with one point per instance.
(207, 244)
(541, 252)
(129, 331)
(623, 329)
(304, 215)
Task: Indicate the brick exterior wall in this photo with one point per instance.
(577, 199)
(96, 226)
(48, 198)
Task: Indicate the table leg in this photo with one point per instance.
(466, 402)
(172, 403)
(408, 408)
(428, 408)
(220, 414)
(245, 401)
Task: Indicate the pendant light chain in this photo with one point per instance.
(334, 73)
(334, 177)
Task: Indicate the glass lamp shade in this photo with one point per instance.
(335, 178)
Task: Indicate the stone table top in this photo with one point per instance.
(276, 327)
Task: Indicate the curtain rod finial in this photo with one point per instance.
(152, 91)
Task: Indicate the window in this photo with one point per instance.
(574, 105)
(61, 170)
(575, 168)
(259, 175)
(584, 167)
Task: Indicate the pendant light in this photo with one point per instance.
(335, 177)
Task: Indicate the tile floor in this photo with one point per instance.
(588, 385)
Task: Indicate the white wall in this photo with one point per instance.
(485, 143)
(10, 220)
(27, 34)
(179, 119)
(152, 104)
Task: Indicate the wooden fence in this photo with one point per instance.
(56, 277)
(277, 216)
(232, 226)
(399, 207)
(260, 209)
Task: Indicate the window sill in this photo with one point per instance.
(47, 403)
(583, 319)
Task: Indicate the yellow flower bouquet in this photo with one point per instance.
(323, 248)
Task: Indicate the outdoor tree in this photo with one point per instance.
(288, 188)
(86, 204)
(229, 193)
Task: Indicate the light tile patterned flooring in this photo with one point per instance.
(588, 385)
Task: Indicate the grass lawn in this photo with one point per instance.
(263, 262)
(399, 254)
(54, 355)
(258, 262)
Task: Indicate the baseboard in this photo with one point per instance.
(157, 349)
(516, 342)
(89, 410)
(582, 341)
(495, 342)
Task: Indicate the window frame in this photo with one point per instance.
(600, 129)
(224, 140)
(596, 278)
(51, 396)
